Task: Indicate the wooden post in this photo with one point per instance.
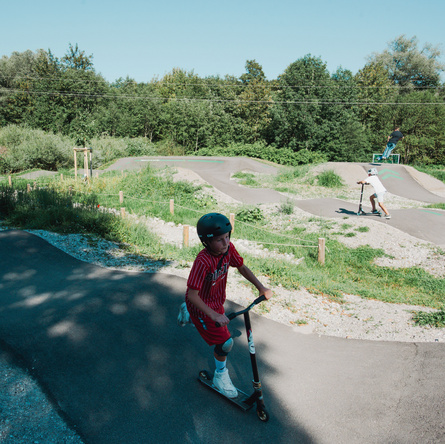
(185, 236)
(75, 163)
(28, 187)
(172, 206)
(121, 196)
(232, 221)
(123, 212)
(61, 177)
(85, 163)
(321, 250)
(10, 181)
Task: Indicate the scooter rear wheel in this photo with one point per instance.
(204, 374)
(262, 414)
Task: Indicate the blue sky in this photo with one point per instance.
(147, 39)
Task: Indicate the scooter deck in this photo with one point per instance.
(240, 400)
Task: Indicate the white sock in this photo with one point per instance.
(220, 365)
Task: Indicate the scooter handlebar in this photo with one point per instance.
(231, 316)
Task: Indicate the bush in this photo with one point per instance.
(107, 149)
(329, 179)
(26, 148)
(251, 214)
(259, 150)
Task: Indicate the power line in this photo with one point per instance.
(216, 100)
(275, 85)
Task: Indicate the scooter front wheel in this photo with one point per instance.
(262, 414)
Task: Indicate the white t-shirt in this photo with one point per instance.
(376, 184)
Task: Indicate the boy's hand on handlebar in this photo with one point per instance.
(221, 320)
(267, 292)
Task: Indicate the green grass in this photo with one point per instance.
(437, 171)
(74, 206)
(435, 319)
(440, 206)
(247, 179)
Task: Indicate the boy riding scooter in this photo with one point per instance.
(206, 292)
(379, 191)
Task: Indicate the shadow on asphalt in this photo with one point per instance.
(105, 345)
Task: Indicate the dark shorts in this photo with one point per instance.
(209, 331)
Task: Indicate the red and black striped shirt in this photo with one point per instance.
(210, 282)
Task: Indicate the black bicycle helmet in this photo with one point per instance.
(211, 225)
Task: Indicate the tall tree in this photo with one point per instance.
(255, 100)
(16, 75)
(408, 65)
(421, 116)
(296, 115)
(377, 95)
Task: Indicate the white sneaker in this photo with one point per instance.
(223, 383)
(183, 316)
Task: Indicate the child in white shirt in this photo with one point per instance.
(379, 191)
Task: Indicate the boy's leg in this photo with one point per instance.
(372, 199)
(221, 379)
(384, 208)
(388, 149)
(221, 337)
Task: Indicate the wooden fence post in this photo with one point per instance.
(186, 233)
(10, 181)
(172, 206)
(121, 196)
(321, 250)
(232, 221)
(75, 163)
(123, 212)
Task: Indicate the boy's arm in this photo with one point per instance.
(193, 297)
(248, 274)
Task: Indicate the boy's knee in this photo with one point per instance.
(224, 348)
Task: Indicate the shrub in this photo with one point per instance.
(251, 214)
(28, 148)
(329, 179)
(259, 150)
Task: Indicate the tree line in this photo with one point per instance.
(306, 110)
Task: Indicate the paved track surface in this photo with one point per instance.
(104, 344)
(422, 223)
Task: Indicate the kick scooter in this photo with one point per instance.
(360, 211)
(360, 208)
(244, 401)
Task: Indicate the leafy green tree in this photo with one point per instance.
(346, 138)
(296, 115)
(16, 73)
(376, 94)
(315, 112)
(422, 121)
(66, 94)
(408, 65)
(255, 101)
